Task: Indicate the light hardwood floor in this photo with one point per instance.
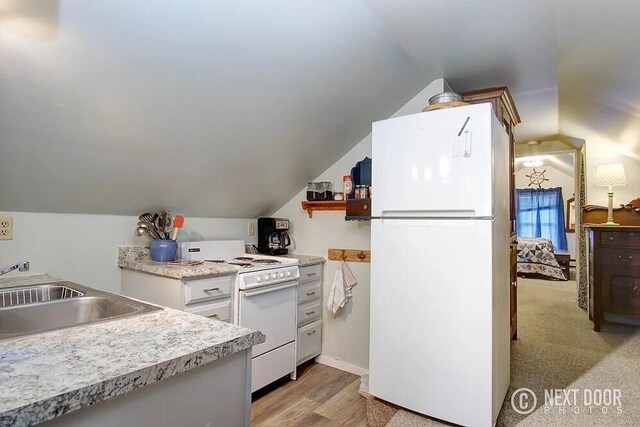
(322, 396)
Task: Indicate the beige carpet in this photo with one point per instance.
(557, 349)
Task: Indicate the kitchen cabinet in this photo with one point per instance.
(208, 296)
(614, 272)
(162, 368)
(309, 340)
(215, 394)
(506, 112)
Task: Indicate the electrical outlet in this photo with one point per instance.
(6, 228)
(251, 228)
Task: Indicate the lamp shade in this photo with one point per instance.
(611, 175)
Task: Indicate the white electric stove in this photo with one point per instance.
(265, 298)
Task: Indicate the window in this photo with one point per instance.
(540, 213)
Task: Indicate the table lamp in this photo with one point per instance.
(610, 176)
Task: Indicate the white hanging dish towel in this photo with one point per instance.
(349, 279)
(340, 291)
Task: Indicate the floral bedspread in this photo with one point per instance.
(536, 256)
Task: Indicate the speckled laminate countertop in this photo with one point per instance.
(138, 258)
(46, 375)
(306, 260)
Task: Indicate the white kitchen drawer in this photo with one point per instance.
(309, 291)
(309, 341)
(211, 288)
(312, 272)
(219, 310)
(272, 365)
(309, 311)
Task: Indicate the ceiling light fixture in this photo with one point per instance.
(533, 162)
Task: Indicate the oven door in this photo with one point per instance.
(272, 311)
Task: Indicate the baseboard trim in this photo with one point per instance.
(343, 366)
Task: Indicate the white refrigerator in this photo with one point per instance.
(439, 336)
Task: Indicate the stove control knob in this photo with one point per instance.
(288, 273)
(274, 275)
(281, 274)
(266, 277)
(259, 279)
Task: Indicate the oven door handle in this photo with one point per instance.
(265, 289)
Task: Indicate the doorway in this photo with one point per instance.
(548, 184)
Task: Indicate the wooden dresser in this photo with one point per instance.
(614, 271)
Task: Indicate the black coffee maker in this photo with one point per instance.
(273, 236)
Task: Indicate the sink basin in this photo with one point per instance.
(40, 293)
(32, 309)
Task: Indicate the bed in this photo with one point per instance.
(536, 256)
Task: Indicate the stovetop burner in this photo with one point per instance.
(248, 262)
(240, 264)
(265, 261)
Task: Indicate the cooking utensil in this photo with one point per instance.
(178, 222)
(164, 224)
(445, 97)
(141, 231)
(443, 105)
(444, 100)
(150, 229)
(146, 217)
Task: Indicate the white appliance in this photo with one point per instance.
(264, 298)
(439, 334)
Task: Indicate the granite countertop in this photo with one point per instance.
(46, 375)
(306, 260)
(138, 258)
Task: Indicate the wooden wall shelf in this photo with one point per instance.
(323, 205)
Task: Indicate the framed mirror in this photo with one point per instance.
(571, 215)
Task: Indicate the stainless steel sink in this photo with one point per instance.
(40, 293)
(28, 310)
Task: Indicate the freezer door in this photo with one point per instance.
(437, 163)
(431, 317)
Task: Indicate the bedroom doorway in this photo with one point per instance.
(559, 164)
(545, 212)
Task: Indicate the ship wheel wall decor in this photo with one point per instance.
(537, 178)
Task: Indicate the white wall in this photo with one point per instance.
(84, 248)
(346, 336)
(556, 179)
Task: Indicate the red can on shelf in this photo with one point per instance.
(347, 184)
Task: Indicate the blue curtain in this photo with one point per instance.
(540, 213)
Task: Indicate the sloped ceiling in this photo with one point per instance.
(226, 109)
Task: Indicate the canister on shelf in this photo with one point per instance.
(325, 192)
(312, 191)
(347, 184)
(364, 192)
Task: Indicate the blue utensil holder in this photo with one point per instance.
(163, 250)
